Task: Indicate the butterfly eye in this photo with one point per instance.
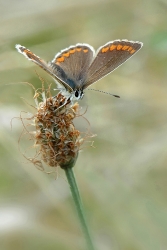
(79, 94)
(76, 93)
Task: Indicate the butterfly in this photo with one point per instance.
(79, 66)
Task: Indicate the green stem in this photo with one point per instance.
(78, 204)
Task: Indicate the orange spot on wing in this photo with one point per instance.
(119, 47)
(28, 53)
(85, 50)
(66, 54)
(132, 51)
(113, 47)
(60, 59)
(23, 49)
(125, 47)
(130, 48)
(72, 51)
(105, 49)
(78, 49)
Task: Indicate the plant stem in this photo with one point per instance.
(78, 204)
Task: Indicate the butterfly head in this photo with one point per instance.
(75, 88)
(75, 94)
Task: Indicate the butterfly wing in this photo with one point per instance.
(71, 64)
(109, 57)
(41, 63)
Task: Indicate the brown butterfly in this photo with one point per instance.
(78, 66)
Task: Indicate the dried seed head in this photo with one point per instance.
(57, 141)
(55, 134)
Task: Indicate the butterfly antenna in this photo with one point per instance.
(105, 92)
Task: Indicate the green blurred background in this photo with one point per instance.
(123, 180)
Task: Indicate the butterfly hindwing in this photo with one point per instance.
(71, 64)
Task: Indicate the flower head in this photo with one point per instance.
(55, 134)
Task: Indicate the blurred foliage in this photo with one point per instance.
(123, 179)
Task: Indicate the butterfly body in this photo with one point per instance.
(77, 67)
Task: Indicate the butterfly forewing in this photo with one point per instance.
(109, 57)
(71, 65)
(41, 63)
